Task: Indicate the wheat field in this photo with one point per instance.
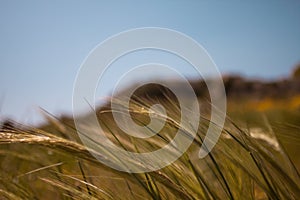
(255, 158)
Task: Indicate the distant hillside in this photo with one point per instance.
(235, 87)
(255, 94)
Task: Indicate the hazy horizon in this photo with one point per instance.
(43, 44)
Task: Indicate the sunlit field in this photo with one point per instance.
(256, 157)
(149, 100)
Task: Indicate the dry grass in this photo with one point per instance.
(52, 163)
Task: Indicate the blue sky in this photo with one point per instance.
(43, 43)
